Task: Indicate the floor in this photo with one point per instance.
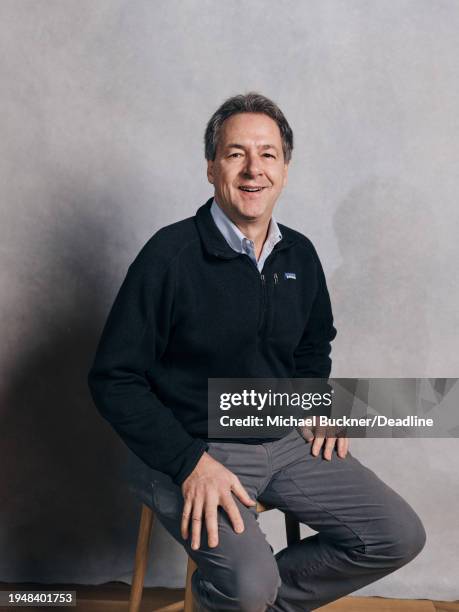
(114, 597)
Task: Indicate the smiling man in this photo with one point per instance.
(230, 293)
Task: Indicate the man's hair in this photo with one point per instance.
(249, 103)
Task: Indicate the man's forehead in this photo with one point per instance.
(250, 127)
(240, 145)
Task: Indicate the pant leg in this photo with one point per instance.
(365, 529)
(240, 574)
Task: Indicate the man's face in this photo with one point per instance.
(249, 170)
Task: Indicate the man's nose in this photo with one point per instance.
(252, 165)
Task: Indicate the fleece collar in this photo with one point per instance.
(215, 243)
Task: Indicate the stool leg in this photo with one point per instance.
(190, 568)
(141, 558)
(292, 528)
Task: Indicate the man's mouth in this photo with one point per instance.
(250, 189)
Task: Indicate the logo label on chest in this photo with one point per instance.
(290, 275)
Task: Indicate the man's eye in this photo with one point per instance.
(269, 155)
(235, 154)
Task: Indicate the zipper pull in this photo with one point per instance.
(262, 276)
(276, 278)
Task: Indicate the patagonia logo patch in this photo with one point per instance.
(289, 275)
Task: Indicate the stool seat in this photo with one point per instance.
(292, 528)
(261, 507)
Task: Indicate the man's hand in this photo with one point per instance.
(208, 486)
(330, 436)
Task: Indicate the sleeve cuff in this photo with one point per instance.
(190, 461)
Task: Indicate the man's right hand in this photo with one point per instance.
(208, 486)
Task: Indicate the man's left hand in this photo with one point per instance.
(329, 436)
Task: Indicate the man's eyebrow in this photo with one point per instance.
(235, 145)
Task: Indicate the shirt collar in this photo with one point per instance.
(233, 235)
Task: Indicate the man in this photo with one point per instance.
(229, 293)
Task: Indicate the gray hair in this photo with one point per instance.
(249, 103)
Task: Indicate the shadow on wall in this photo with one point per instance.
(64, 514)
(382, 291)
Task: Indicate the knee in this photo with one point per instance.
(257, 590)
(248, 586)
(402, 538)
(412, 538)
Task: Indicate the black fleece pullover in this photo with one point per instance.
(191, 308)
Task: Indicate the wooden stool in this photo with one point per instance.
(292, 528)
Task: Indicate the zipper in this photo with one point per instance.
(263, 302)
(273, 303)
(268, 298)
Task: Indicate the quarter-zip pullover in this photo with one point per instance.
(191, 308)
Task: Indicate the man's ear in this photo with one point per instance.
(210, 171)
(285, 175)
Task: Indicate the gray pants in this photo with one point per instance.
(365, 530)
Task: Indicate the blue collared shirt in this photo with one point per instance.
(240, 243)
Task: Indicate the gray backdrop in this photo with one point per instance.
(102, 112)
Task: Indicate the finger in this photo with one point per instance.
(343, 447)
(328, 449)
(317, 445)
(196, 523)
(240, 491)
(211, 514)
(307, 434)
(233, 513)
(186, 513)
